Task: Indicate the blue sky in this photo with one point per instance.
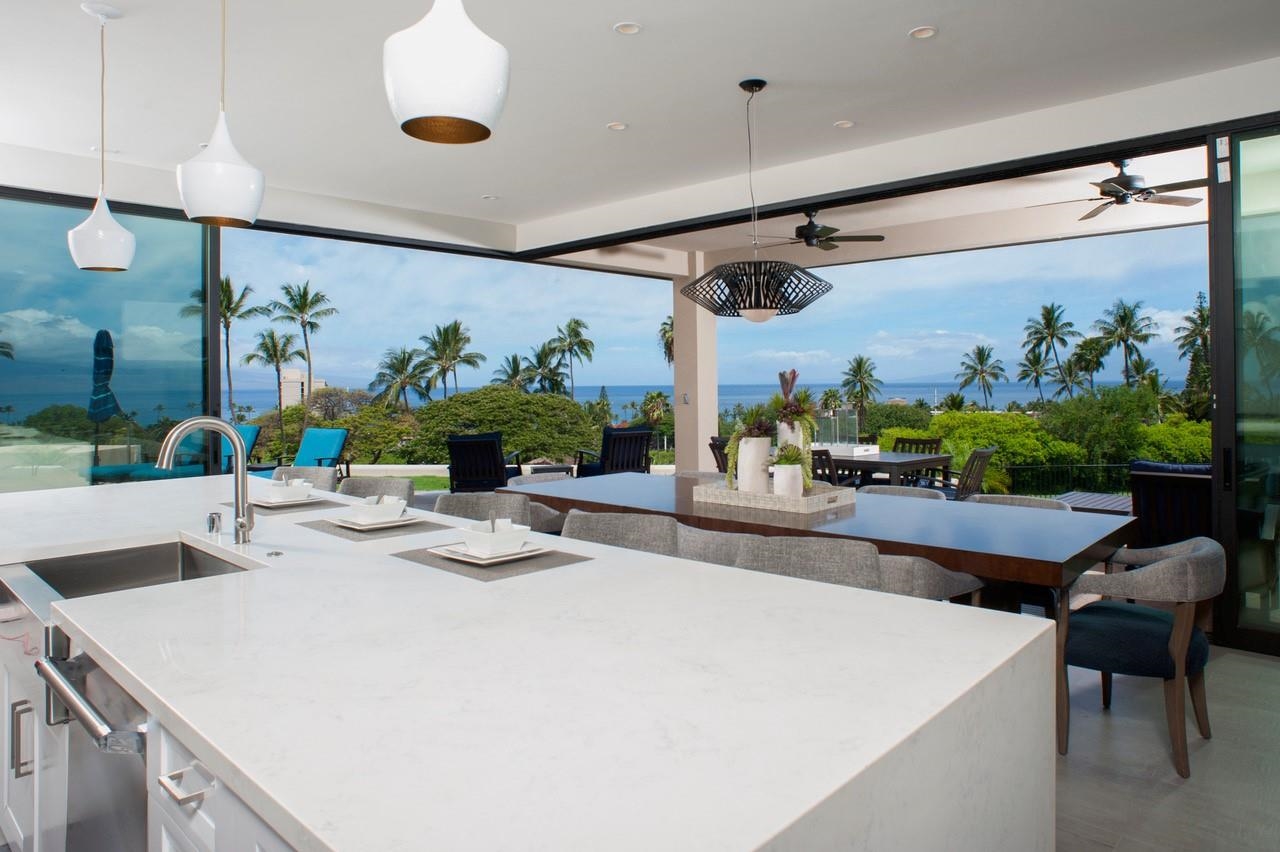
(915, 317)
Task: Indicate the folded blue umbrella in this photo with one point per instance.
(102, 402)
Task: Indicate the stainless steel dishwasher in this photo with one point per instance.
(78, 779)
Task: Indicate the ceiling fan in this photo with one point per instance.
(1126, 188)
(823, 237)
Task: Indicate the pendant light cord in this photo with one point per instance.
(222, 83)
(102, 106)
(751, 187)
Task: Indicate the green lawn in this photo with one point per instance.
(430, 483)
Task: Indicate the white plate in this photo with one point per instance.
(352, 524)
(459, 552)
(273, 504)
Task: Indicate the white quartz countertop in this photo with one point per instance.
(358, 701)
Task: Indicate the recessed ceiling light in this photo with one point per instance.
(843, 124)
(626, 28)
(490, 197)
(924, 32)
(617, 125)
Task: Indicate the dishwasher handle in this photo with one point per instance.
(106, 738)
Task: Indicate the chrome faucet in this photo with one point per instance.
(240, 464)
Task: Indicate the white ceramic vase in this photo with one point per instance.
(788, 434)
(788, 480)
(753, 465)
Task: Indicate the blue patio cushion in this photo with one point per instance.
(1129, 639)
(249, 434)
(1144, 466)
(320, 447)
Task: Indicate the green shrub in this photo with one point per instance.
(1108, 426)
(535, 424)
(1020, 439)
(1177, 440)
(376, 433)
(881, 416)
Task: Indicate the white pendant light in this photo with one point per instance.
(446, 80)
(218, 186)
(100, 243)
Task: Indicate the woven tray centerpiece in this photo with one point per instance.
(817, 498)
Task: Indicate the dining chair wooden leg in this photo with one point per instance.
(1063, 689)
(1106, 690)
(975, 597)
(1195, 683)
(1175, 709)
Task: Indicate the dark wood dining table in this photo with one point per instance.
(895, 464)
(1001, 544)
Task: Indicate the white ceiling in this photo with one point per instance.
(306, 102)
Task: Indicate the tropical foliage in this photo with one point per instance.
(445, 350)
(304, 308)
(1124, 327)
(545, 367)
(574, 345)
(860, 384)
(275, 351)
(401, 372)
(667, 339)
(981, 367)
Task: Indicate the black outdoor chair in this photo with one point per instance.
(970, 480)
(825, 470)
(719, 451)
(621, 451)
(1172, 502)
(476, 462)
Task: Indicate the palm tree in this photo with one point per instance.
(575, 346)
(232, 306)
(1088, 358)
(1124, 326)
(6, 349)
(953, 402)
(1193, 344)
(1069, 379)
(511, 373)
(980, 367)
(400, 371)
(446, 349)
(860, 384)
(831, 400)
(276, 350)
(667, 337)
(302, 307)
(546, 368)
(1033, 369)
(1141, 368)
(654, 406)
(1049, 331)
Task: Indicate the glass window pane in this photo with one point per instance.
(51, 316)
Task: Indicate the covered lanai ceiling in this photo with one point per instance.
(1000, 80)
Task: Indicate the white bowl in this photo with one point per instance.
(482, 542)
(289, 489)
(376, 510)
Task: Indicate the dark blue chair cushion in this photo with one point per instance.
(590, 469)
(1129, 639)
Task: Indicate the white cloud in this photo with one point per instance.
(884, 344)
(45, 336)
(798, 358)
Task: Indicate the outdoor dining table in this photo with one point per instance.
(998, 543)
(895, 464)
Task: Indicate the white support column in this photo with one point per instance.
(696, 400)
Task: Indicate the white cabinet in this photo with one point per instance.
(190, 810)
(19, 814)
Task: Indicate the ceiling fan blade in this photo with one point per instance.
(858, 238)
(1179, 185)
(784, 242)
(827, 245)
(1095, 211)
(825, 231)
(1177, 200)
(1107, 186)
(1072, 201)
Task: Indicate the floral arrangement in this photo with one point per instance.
(757, 422)
(796, 408)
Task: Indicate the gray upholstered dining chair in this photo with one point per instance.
(377, 486)
(321, 478)
(846, 562)
(650, 533)
(476, 506)
(1119, 637)
(530, 478)
(1020, 500)
(903, 491)
(719, 548)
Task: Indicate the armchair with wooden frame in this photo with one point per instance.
(623, 450)
(477, 463)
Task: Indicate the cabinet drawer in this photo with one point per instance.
(179, 786)
(164, 834)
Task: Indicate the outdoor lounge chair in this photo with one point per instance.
(1116, 637)
(826, 470)
(719, 451)
(249, 434)
(621, 451)
(970, 480)
(476, 462)
(318, 448)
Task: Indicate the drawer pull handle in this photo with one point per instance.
(172, 784)
(21, 768)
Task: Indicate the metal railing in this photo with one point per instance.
(1048, 480)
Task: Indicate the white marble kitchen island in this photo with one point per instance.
(357, 701)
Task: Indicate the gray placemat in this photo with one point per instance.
(551, 559)
(300, 507)
(423, 526)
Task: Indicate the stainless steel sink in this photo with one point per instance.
(128, 568)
